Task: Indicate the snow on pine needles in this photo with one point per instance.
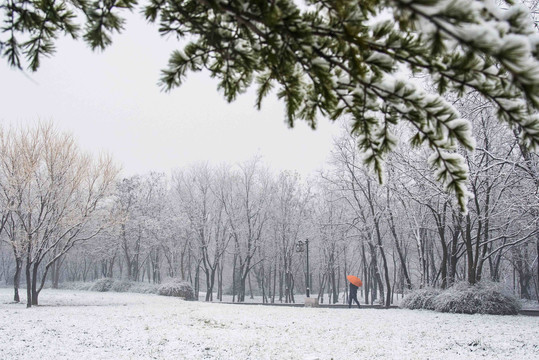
(87, 325)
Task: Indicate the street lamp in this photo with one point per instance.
(301, 248)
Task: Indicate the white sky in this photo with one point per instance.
(111, 102)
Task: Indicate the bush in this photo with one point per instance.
(121, 286)
(75, 285)
(143, 288)
(178, 288)
(482, 298)
(102, 285)
(420, 299)
(108, 284)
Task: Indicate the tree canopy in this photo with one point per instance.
(329, 58)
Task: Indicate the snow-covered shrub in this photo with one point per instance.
(178, 288)
(420, 299)
(102, 285)
(482, 298)
(121, 286)
(108, 284)
(143, 288)
(75, 285)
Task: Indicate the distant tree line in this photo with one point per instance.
(65, 216)
(233, 229)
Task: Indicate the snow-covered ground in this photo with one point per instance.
(87, 325)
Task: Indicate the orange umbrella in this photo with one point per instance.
(355, 280)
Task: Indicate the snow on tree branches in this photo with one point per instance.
(333, 58)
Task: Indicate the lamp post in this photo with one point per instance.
(300, 248)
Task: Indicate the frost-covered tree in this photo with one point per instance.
(245, 197)
(60, 197)
(289, 221)
(198, 197)
(329, 57)
(141, 204)
(330, 215)
(365, 201)
(429, 216)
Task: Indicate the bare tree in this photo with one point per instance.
(198, 198)
(289, 212)
(332, 229)
(245, 198)
(61, 198)
(140, 204)
(365, 199)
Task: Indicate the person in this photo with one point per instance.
(353, 296)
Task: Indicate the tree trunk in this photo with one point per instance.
(432, 263)
(220, 281)
(321, 286)
(469, 251)
(234, 278)
(453, 259)
(35, 291)
(111, 267)
(366, 279)
(212, 282)
(384, 262)
(221, 271)
(398, 247)
(375, 283)
(197, 280)
(17, 279)
(55, 272)
(334, 291)
(524, 271)
(480, 260)
(386, 274)
(182, 265)
(494, 264)
(378, 285)
(241, 289)
(288, 281)
(441, 226)
(262, 283)
(537, 255)
(274, 282)
(250, 286)
(28, 280)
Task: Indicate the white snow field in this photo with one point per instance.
(87, 325)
